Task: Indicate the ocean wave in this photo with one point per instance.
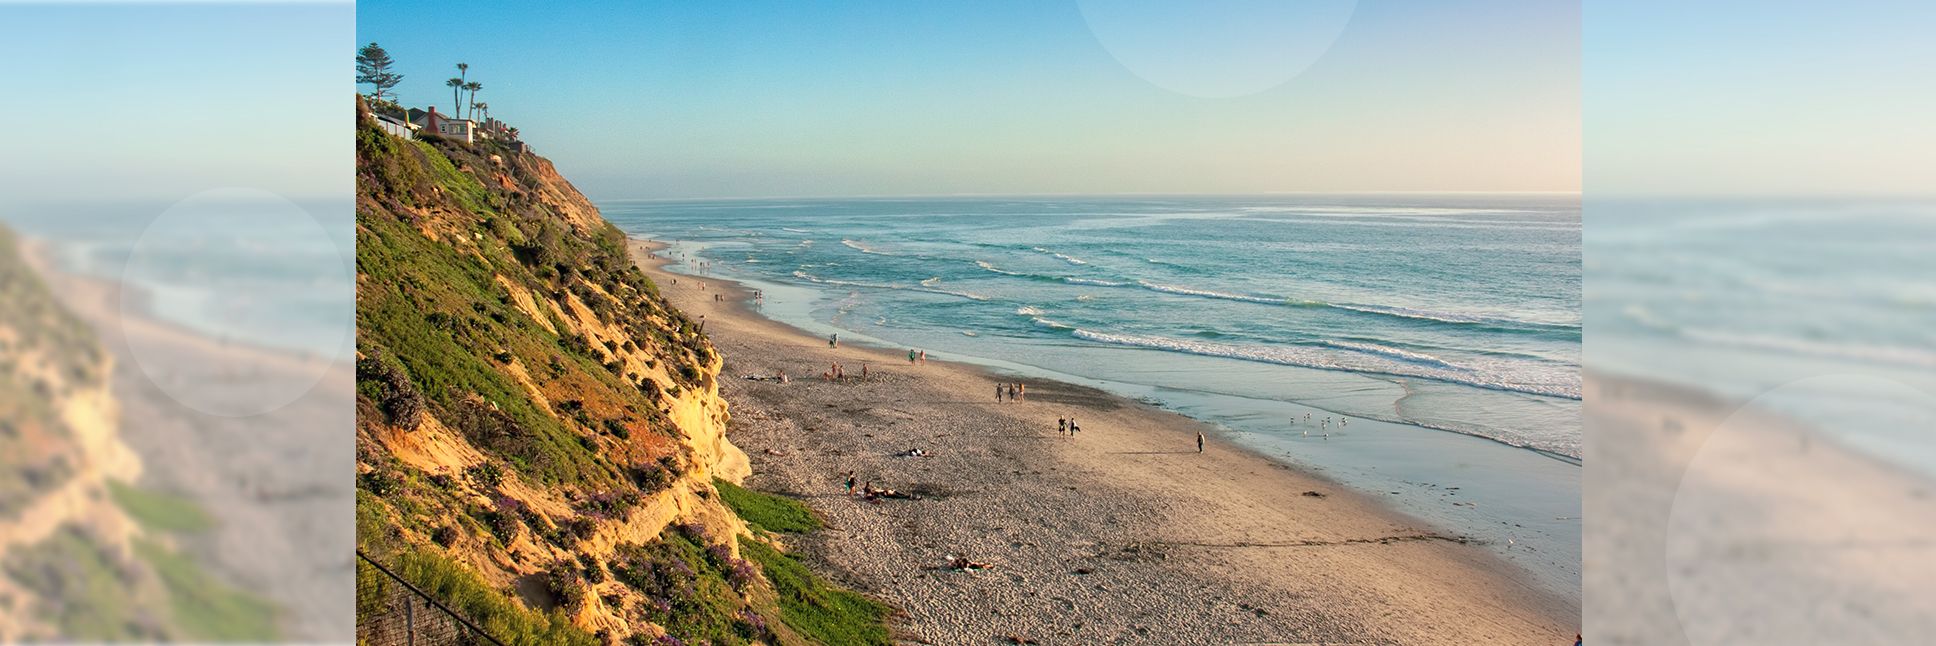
(931, 281)
(847, 283)
(1844, 351)
(1447, 317)
(1205, 293)
(984, 265)
(1396, 353)
(1562, 384)
(856, 246)
(1035, 316)
(1065, 257)
(794, 230)
(1091, 281)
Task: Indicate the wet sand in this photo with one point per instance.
(1124, 534)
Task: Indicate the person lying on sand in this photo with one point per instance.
(916, 453)
(962, 564)
(873, 494)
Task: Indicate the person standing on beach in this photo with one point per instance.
(850, 483)
(1061, 425)
(924, 356)
(1199, 441)
(910, 356)
(1021, 391)
(833, 341)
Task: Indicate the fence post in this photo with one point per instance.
(410, 621)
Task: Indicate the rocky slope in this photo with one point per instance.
(538, 432)
(85, 554)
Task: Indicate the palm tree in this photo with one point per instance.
(463, 71)
(457, 109)
(481, 106)
(473, 86)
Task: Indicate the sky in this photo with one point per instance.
(159, 101)
(1756, 98)
(677, 100)
(155, 103)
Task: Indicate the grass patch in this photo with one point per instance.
(767, 511)
(160, 511)
(491, 610)
(815, 608)
(206, 609)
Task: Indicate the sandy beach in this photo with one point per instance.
(277, 483)
(1124, 534)
(1708, 522)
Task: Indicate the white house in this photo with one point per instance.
(395, 126)
(464, 130)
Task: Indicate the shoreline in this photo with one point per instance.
(1764, 527)
(1235, 546)
(1522, 505)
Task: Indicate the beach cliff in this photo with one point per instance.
(541, 440)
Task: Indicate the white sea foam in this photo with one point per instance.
(863, 248)
(1065, 257)
(1191, 291)
(1555, 383)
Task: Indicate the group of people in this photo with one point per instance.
(1067, 426)
(1012, 392)
(871, 493)
(917, 356)
(838, 373)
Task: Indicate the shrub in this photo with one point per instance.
(385, 382)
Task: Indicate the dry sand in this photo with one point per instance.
(1709, 523)
(280, 485)
(1124, 534)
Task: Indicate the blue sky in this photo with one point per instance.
(1746, 98)
(159, 102)
(883, 98)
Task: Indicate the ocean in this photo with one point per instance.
(1446, 328)
(234, 265)
(1819, 310)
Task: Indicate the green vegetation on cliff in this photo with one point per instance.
(526, 397)
(767, 511)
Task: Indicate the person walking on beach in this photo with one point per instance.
(1021, 391)
(1061, 425)
(1073, 428)
(863, 371)
(833, 341)
(910, 356)
(924, 356)
(1199, 441)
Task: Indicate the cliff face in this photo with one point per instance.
(534, 420)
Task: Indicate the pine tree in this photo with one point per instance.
(373, 67)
